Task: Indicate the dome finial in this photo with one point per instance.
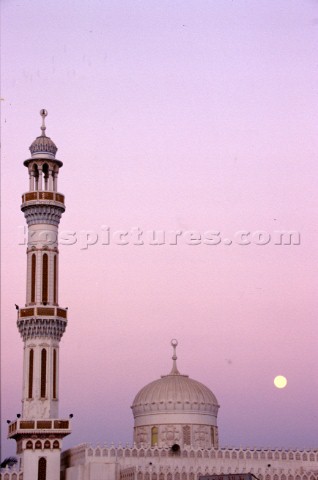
(43, 114)
(174, 371)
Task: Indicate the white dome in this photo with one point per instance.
(174, 409)
(175, 392)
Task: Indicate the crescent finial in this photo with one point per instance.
(43, 113)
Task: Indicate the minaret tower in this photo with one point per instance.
(39, 430)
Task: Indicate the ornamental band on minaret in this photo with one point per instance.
(39, 430)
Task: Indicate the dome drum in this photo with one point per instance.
(167, 435)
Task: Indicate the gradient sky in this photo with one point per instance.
(171, 115)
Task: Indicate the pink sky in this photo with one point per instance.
(190, 115)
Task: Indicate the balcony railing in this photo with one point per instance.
(43, 312)
(30, 426)
(34, 196)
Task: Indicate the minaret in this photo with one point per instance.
(39, 430)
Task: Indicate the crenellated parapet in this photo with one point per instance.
(144, 463)
(198, 453)
(11, 474)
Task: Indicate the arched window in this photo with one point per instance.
(56, 444)
(36, 176)
(38, 445)
(31, 361)
(55, 280)
(54, 372)
(43, 373)
(154, 436)
(55, 176)
(29, 445)
(186, 435)
(45, 278)
(213, 437)
(42, 469)
(45, 170)
(33, 275)
(47, 444)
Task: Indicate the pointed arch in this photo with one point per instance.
(154, 436)
(31, 366)
(43, 372)
(45, 170)
(33, 276)
(42, 469)
(55, 280)
(35, 172)
(212, 437)
(45, 279)
(54, 372)
(186, 435)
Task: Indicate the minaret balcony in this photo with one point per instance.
(55, 312)
(56, 427)
(35, 322)
(40, 197)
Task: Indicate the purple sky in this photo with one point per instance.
(171, 115)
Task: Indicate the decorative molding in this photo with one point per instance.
(37, 214)
(35, 249)
(43, 195)
(41, 327)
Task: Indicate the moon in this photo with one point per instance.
(280, 381)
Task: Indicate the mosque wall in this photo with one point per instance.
(132, 463)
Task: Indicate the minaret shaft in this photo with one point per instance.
(41, 347)
(42, 322)
(42, 265)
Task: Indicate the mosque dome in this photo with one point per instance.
(175, 405)
(43, 145)
(175, 392)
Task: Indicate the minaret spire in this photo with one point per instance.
(174, 370)
(43, 113)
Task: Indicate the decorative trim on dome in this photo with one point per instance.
(43, 144)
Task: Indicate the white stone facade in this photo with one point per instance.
(132, 463)
(37, 406)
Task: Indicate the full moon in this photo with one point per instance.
(280, 381)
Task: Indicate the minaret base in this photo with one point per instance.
(39, 444)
